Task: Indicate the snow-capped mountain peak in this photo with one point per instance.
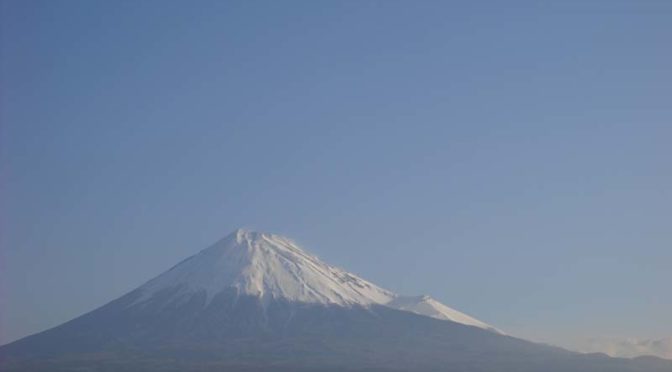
(268, 266)
(273, 267)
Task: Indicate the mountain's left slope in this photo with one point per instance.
(256, 302)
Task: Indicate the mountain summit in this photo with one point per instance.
(267, 266)
(258, 302)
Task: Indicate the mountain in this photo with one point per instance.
(258, 302)
(271, 268)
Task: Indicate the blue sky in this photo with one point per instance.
(512, 161)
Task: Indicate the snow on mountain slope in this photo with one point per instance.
(274, 267)
(427, 306)
(268, 266)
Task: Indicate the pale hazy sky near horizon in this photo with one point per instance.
(511, 159)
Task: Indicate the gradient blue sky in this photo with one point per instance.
(512, 159)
